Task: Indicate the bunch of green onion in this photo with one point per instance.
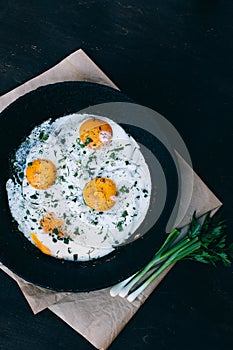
(204, 242)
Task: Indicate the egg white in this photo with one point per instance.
(91, 234)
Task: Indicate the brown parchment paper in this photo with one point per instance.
(96, 315)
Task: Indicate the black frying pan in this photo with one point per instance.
(23, 258)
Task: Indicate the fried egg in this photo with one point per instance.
(80, 187)
(41, 174)
(95, 133)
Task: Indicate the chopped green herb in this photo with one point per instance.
(30, 164)
(112, 155)
(101, 231)
(27, 212)
(43, 136)
(95, 222)
(76, 231)
(69, 250)
(127, 162)
(88, 140)
(91, 158)
(75, 257)
(54, 240)
(105, 237)
(34, 220)
(124, 214)
(81, 145)
(55, 231)
(118, 149)
(34, 196)
(119, 226)
(71, 187)
(61, 160)
(124, 189)
(62, 178)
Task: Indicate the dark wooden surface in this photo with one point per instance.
(175, 57)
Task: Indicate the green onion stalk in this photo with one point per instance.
(205, 243)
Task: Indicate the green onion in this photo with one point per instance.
(204, 243)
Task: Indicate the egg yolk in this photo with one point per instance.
(100, 194)
(95, 133)
(51, 224)
(41, 174)
(39, 244)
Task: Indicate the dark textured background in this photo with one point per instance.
(175, 57)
